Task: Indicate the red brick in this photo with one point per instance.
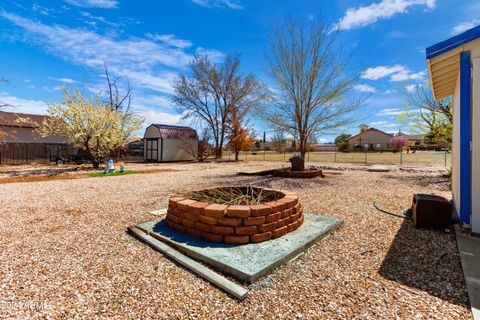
(253, 221)
(170, 224)
(292, 196)
(287, 213)
(283, 222)
(267, 227)
(222, 230)
(279, 232)
(273, 217)
(203, 227)
(197, 207)
(185, 203)
(191, 216)
(260, 237)
(173, 201)
(260, 210)
(276, 206)
(178, 212)
(208, 220)
(290, 203)
(180, 228)
(188, 223)
(295, 217)
(246, 230)
(292, 226)
(174, 218)
(212, 237)
(215, 210)
(194, 232)
(297, 208)
(232, 222)
(300, 221)
(237, 239)
(238, 211)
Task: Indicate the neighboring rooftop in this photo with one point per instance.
(24, 120)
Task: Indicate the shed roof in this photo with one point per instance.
(443, 62)
(175, 132)
(23, 120)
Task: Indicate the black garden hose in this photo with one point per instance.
(407, 214)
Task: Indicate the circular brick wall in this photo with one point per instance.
(237, 224)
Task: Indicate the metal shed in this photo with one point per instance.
(454, 69)
(165, 143)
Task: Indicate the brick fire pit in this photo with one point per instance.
(236, 224)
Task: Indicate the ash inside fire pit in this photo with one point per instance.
(237, 215)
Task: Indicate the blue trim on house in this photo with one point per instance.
(465, 137)
(453, 42)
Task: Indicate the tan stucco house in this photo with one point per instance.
(20, 142)
(370, 139)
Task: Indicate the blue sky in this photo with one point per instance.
(46, 44)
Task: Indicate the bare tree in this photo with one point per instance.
(204, 148)
(278, 140)
(211, 91)
(435, 118)
(314, 82)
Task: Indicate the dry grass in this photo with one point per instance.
(64, 246)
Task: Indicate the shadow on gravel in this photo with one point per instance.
(427, 260)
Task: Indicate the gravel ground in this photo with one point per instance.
(65, 253)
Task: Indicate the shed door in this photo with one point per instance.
(152, 150)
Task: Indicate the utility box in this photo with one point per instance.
(429, 211)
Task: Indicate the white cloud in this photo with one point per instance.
(231, 4)
(146, 63)
(211, 53)
(390, 112)
(464, 26)
(410, 88)
(384, 124)
(63, 80)
(23, 105)
(396, 73)
(362, 16)
(365, 88)
(381, 72)
(170, 40)
(107, 4)
(405, 75)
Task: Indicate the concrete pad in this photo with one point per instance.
(246, 262)
(378, 168)
(469, 249)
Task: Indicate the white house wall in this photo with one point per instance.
(475, 218)
(456, 147)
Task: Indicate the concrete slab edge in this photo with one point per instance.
(470, 262)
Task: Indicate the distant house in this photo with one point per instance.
(165, 143)
(20, 143)
(370, 139)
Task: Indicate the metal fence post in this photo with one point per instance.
(445, 158)
(401, 157)
(366, 151)
(335, 155)
(284, 155)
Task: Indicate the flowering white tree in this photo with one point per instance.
(91, 125)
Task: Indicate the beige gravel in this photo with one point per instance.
(65, 253)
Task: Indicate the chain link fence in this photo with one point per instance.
(366, 157)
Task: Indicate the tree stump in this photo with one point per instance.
(298, 163)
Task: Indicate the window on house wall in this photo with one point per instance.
(378, 146)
